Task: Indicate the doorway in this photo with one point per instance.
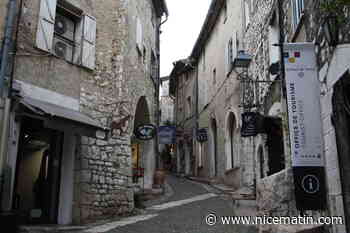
(341, 123)
(215, 145)
(38, 166)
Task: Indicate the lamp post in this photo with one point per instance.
(331, 30)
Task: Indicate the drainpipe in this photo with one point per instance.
(4, 98)
(196, 143)
(157, 115)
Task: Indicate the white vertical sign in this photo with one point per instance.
(304, 110)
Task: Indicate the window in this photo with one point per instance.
(246, 13)
(214, 76)
(252, 6)
(225, 11)
(229, 54)
(67, 32)
(154, 66)
(298, 9)
(203, 59)
(189, 106)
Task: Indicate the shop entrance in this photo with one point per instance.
(36, 190)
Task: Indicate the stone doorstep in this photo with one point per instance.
(244, 193)
(200, 179)
(50, 228)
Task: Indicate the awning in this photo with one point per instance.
(62, 118)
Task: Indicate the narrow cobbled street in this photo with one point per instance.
(183, 209)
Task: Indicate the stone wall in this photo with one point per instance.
(280, 201)
(110, 93)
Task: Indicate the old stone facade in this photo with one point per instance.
(263, 163)
(225, 156)
(166, 102)
(118, 69)
(264, 24)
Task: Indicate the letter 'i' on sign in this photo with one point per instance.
(305, 125)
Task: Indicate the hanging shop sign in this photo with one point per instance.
(305, 125)
(252, 123)
(145, 132)
(167, 135)
(202, 135)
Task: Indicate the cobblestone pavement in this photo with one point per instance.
(183, 212)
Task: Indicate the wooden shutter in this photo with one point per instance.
(78, 41)
(46, 25)
(89, 42)
(139, 35)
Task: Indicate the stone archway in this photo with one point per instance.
(143, 154)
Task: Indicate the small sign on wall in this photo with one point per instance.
(167, 135)
(145, 132)
(252, 123)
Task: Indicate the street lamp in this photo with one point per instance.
(242, 60)
(331, 30)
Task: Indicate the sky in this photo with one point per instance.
(180, 32)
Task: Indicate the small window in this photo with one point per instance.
(67, 32)
(229, 53)
(214, 76)
(298, 9)
(203, 59)
(144, 55)
(225, 11)
(189, 106)
(139, 36)
(246, 13)
(154, 66)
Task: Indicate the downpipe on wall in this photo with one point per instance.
(5, 101)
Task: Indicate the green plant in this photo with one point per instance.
(336, 8)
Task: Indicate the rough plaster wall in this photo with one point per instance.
(217, 98)
(111, 94)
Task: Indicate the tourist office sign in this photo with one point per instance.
(305, 125)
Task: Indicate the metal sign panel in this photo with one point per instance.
(252, 124)
(202, 135)
(167, 135)
(305, 125)
(145, 132)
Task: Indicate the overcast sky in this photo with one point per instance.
(181, 30)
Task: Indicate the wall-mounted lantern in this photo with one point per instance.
(242, 60)
(331, 30)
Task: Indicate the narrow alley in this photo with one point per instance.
(174, 116)
(184, 209)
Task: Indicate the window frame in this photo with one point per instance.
(298, 8)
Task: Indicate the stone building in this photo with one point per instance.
(166, 102)
(182, 88)
(300, 21)
(263, 163)
(85, 74)
(213, 86)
